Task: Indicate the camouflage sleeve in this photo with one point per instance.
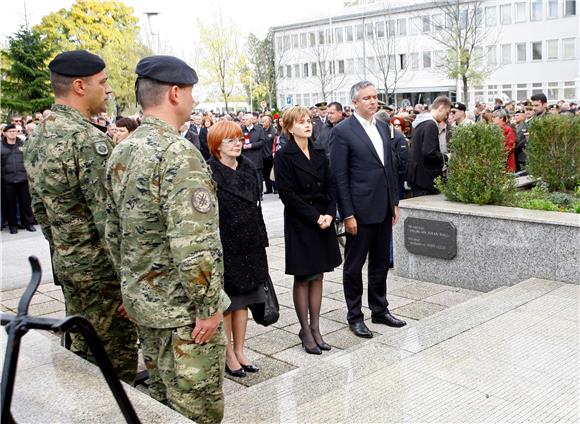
(189, 205)
(40, 215)
(112, 225)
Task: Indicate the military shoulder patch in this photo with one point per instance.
(101, 148)
(201, 200)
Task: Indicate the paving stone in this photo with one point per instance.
(269, 368)
(328, 287)
(56, 295)
(339, 315)
(287, 317)
(298, 357)
(272, 342)
(326, 326)
(45, 308)
(230, 386)
(449, 298)
(36, 299)
(11, 294)
(418, 310)
(385, 329)
(344, 339)
(418, 291)
(253, 329)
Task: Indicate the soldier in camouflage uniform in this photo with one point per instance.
(162, 229)
(65, 158)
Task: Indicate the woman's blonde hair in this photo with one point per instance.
(291, 116)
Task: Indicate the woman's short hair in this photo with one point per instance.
(291, 116)
(128, 123)
(218, 132)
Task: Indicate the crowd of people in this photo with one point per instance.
(155, 221)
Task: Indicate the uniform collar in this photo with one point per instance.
(158, 122)
(70, 112)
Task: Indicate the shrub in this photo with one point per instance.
(477, 167)
(554, 151)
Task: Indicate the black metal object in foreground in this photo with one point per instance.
(17, 326)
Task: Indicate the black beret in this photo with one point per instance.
(9, 127)
(459, 106)
(166, 69)
(77, 63)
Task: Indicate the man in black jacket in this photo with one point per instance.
(254, 144)
(15, 181)
(368, 197)
(268, 159)
(333, 117)
(426, 160)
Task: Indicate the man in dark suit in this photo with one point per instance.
(254, 144)
(365, 172)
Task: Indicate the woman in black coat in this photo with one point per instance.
(307, 190)
(243, 236)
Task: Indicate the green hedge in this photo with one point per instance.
(554, 151)
(477, 167)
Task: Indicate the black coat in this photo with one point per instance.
(203, 146)
(307, 190)
(257, 141)
(367, 189)
(193, 137)
(270, 135)
(13, 171)
(242, 230)
(425, 159)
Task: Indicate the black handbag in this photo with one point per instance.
(267, 313)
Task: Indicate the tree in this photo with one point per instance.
(460, 30)
(222, 61)
(262, 59)
(25, 85)
(106, 28)
(327, 77)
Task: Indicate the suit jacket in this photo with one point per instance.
(203, 146)
(366, 188)
(257, 140)
(426, 160)
(192, 136)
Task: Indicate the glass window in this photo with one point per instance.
(295, 42)
(536, 9)
(491, 55)
(360, 65)
(341, 66)
(380, 29)
(305, 70)
(507, 90)
(349, 34)
(328, 36)
(391, 30)
(414, 60)
(306, 99)
(426, 22)
(369, 31)
(288, 71)
(506, 54)
(552, 49)
(338, 35)
(279, 43)
(569, 90)
(521, 51)
(303, 40)
(349, 66)
(521, 11)
(414, 26)
(286, 42)
(426, 59)
(312, 39)
(505, 13)
(402, 26)
(553, 91)
(464, 18)
(553, 8)
(402, 61)
(298, 100)
(320, 37)
(569, 7)
(371, 64)
(313, 69)
(360, 32)
(537, 50)
(568, 48)
(522, 92)
(281, 71)
(490, 19)
(437, 21)
(537, 88)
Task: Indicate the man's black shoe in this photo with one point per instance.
(13, 230)
(361, 330)
(388, 319)
(30, 228)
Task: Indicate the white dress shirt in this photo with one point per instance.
(372, 131)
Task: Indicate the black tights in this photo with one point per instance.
(307, 301)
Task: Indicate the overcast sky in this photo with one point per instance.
(177, 20)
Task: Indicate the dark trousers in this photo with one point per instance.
(268, 164)
(419, 191)
(17, 196)
(373, 240)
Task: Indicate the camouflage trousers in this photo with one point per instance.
(187, 376)
(118, 334)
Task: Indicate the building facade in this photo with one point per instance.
(529, 46)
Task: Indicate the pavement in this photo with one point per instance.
(510, 355)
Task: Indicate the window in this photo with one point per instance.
(552, 8)
(568, 48)
(402, 61)
(569, 7)
(426, 59)
(313, 69)
(298, 100)
(491, 55)
(341, 66)
(281, 71)
(414, 60)
(505, 13)
(537, 50)
(286, 42)
(328, 36)
(369, 31)
(305, 70)
(414, 25)
(440, 58)
(402, 26)
(295, 41)
(464, 18)
(426, 22)
(391, 23)
(338, 35)
(490, 19)
(521, 55)
(349, 68)
(279, 44)
(437, 22)
(360, 66)
(478, 93)
(569, 90)
(371, 64)
(380, 29)
(320, 37)
(306, 99)
(331, 68)
(312, 39)
(553, 91)
(552, 49)
(506, 54)
(492, 92)
(521, 11)
(537, 88)
(522, 92)
(507, 90)
(349, 34)
(536, 7)
(360, 32)
(288, 71)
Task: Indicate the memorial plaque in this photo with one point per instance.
(427, 237)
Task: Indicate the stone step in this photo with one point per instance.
(279, 399)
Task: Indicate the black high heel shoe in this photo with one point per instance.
(322, 345)
(250, 368)
(311, 350)
(236, 373)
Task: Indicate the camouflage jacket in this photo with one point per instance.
(162, 228)
(65, 159)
